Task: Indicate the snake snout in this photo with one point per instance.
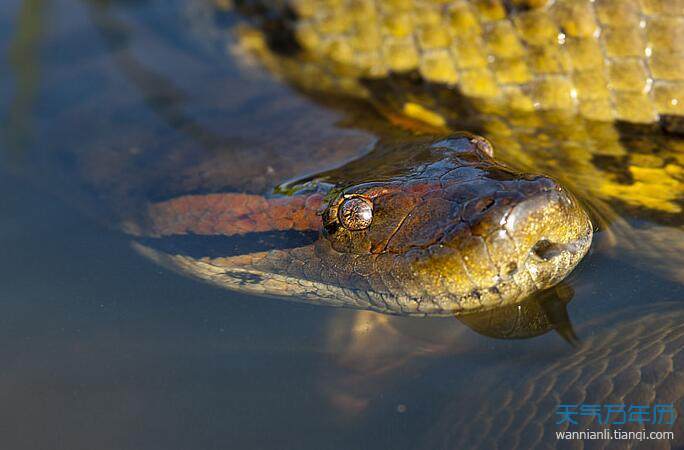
(552, 233)
(509, 243)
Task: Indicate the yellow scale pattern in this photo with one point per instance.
(604, 59)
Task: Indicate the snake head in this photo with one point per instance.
(458, 232)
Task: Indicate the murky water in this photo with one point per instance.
(103, 105)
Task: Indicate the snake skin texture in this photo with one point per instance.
(634, 361)
(604, 59)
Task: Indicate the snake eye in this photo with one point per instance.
(355, 213)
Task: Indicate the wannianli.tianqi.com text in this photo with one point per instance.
(611, 434)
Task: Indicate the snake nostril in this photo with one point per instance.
(546, 249)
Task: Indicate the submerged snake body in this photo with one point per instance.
(625, 362)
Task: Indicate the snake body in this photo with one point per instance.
(604, 60)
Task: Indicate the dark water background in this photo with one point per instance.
(101, 348)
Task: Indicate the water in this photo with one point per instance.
(103, 348)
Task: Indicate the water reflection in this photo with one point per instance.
(374, 352)
(535, 316)
(158, 91)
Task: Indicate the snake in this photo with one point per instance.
(446, 209)
(446, 126)
(483, 120)
(588, 91)
(433, 222)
